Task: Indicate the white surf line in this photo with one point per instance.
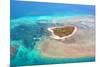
(83, 2)
(61, 38)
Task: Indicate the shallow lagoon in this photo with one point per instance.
(28, 34)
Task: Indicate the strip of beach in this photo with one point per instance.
(62, 38)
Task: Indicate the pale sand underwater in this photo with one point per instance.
(33, 46)
(81, 44)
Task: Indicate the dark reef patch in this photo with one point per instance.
(29, 34)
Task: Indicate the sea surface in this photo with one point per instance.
(20, 9)
(29, 23)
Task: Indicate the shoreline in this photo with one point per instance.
(62, 38)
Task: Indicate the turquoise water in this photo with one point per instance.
(27, 35)
(29, 23)
(26, 57)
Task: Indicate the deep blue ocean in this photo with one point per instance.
(21, 8)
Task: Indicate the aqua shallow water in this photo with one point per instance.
(26, 57)
(26, 33)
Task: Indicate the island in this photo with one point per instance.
(62, 32)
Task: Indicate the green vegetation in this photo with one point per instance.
(63, 31)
